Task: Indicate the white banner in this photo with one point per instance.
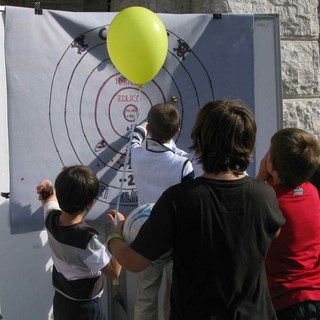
(67, 104)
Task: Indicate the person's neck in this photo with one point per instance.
(223, 175)
(67, 219)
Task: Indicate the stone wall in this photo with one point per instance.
(299, 28)
(66, 5)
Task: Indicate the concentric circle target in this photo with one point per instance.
(92, 108)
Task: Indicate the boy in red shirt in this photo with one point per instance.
(293, 260)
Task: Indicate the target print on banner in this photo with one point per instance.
(77, 108)
(92, 108)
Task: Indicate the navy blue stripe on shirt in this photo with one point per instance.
(81, 289)
(78, 235)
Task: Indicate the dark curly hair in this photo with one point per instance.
(76, 187)
(224, 136)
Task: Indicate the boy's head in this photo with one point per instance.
(224, 136)
(294, 155)
(163, 122)
(76, 187)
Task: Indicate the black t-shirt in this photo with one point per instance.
(220, 232)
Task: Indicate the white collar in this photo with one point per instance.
(153, 145)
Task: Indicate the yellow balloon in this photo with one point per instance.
(137, 44)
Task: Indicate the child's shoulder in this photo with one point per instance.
(259, 186)
(80, 235)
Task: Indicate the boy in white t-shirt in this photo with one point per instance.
(156, 166)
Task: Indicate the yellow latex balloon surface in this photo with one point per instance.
(137, 44)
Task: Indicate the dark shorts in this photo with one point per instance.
(307, 310)
(67, 309)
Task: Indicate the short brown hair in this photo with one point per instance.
(76, 187)
(224, 136)
(164, 121)
(295, 155)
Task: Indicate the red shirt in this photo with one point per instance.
(293, 261)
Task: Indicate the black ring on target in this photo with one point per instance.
(104, 143)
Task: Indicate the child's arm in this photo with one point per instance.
(139, 135)
(187, 170)
(127, 257)
(47, 196)
(112, 269)
(45, 191)
(263, 173)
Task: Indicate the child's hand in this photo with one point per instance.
(120, 218)
(263, 173)
(44, 189)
